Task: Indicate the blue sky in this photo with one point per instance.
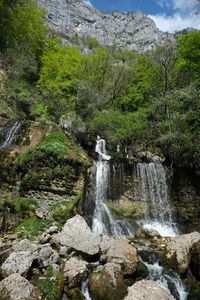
(169, 15)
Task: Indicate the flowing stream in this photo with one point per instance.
(154, 191)
(103, 221)
(11, 135)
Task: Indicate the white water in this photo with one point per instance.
(154, 191)
(85, 290)
(103, 221)
(168, 281)
(11, 135)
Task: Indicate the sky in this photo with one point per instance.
(169, 15)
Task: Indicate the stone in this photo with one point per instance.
(148, 233)
(16, 287)
(21, 259)
(178, 251)
(74, 271)
(47, 256)
(107, 282)
(131, 31)
(121, 252)
(76, 235)
(148, 290)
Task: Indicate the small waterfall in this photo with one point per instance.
(85, 290)
(11, 135)
(169, 280)
(154, 191)
(103, 221)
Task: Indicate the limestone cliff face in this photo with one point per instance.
(132, 31)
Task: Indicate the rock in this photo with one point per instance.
(20, 260)
(121, 252)
(107, 282)
(195, 260)
(177, 254)
(15, 287)
(73, 271)
(76, 235)
(131, 31)
(148, 233)
(47, 256)
(149, 157)
(148, 290)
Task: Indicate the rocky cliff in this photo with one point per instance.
(133, 31)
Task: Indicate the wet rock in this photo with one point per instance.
(16, 287)
(107, 282)
(121, 252)
(73, 271)
(148, 233)
(177, 254)
(76, 235)
(148, 290)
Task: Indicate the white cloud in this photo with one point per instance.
(184, 15)
(87, 2)
(175, 22)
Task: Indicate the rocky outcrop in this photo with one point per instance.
(132, 31)
(119, 251)
(148, 290)
(16, 287)
(195, 260)
(23, 254)
(178, 251)
(76, 235)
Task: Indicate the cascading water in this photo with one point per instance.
(154, 191)
(11, 135)
(166, 279)
(103, 221)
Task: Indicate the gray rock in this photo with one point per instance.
(132, 31)
(73, 271)
(148, 290)
(76, 235)
(16, 287)
(121, 252)
(20, 260)
(177, 254)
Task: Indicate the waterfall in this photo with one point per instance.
(103, 221)
(11, 135)
(153, 189)
(85, 289)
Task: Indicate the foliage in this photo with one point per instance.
(51, 286)
(32, 227)
(22, 207)
(64, 211)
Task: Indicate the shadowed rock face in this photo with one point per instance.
(132, 31)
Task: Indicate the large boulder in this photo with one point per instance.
(74, 271)
(77, 236)
(20, 260)
(177, 254)
(16, 287)
(107, 282)
(148, 290)
(121, 252)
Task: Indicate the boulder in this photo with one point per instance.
(107, 282)
(20, 260)
(148, 290)
(16, 287)
(121, 252)
(74, 271)
(178, 251)
(77, 236)
(148, 233)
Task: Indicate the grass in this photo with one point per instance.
(64, 211)
(120, 211)
(32, 227)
